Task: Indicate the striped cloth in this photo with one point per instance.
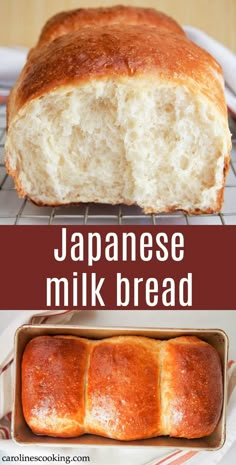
(101, 456)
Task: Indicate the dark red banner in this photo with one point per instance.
(120, 267)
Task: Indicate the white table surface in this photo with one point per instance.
(225, 320)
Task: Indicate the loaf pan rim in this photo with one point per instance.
(39, 440)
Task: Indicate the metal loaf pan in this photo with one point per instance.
(23, 435)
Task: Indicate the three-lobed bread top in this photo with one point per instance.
(125, 387)
(69, 21)
(119, 52)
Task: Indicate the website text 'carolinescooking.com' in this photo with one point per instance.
(45, 458)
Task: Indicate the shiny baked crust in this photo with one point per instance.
(70, 21)
(126, 387)
(123, 399)
(120, 47)
(192, 393)
(53, 378)
(118, 52)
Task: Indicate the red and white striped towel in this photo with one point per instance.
(107, 456)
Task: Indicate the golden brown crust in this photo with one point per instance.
(193, 378)
(69, 21)
(136, 43)
(118, 52)
(53, 385)
(123, 395)
(126, 388)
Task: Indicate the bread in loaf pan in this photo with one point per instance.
(130, 114)
(125, 387)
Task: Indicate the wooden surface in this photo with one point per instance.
(21, 20)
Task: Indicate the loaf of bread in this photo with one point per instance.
(126, 387)
(116, 105)
(70, 21)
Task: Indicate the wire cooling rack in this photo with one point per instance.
(22, 212)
